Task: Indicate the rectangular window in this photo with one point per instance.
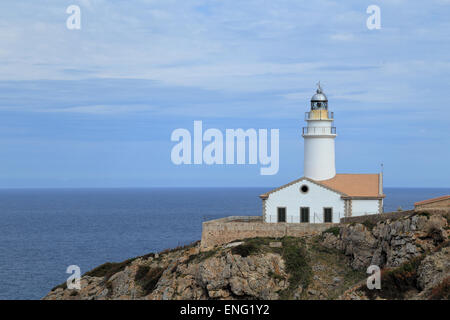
(304, 214)
(281, 214)
(327, 214)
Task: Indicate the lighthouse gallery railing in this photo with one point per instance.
(319, 130)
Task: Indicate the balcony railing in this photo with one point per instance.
(319, 130)
(319, 115)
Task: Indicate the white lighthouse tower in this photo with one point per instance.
(319, 135)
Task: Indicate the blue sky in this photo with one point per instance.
(96, 107)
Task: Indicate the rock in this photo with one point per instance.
(318, 267)
(330, 241)
(390, 243)
(298, 293)
(312, 292)
(433, 269)
(233, 244)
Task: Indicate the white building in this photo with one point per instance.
(322, 195)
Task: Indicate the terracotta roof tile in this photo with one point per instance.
(355, 185)
(348, 185)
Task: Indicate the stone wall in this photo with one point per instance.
(445, 203)
(220, 231)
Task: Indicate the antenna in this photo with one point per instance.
(319, 88)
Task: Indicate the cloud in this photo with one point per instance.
(279, 48)
(342, 37)
(101, 109)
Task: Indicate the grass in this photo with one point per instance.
(354, 276)
(251, 246)
(297, 265)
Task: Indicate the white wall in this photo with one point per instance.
(319, 158)
(316, 199)
(362, 207)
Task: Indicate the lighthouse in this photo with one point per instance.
(322, 195)
(319, 135)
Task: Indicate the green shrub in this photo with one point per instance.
(396, 282)
(275, 275)
(424, 214)
(108, 269)
(332, 230)
(369, 224)
(148, 277)
(245, 249)
(442, 245)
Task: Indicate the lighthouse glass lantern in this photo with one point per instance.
(319, 101)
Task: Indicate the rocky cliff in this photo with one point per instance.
(413, 252)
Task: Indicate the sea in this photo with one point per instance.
(43, 231)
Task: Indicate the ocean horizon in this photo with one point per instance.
(44, 230)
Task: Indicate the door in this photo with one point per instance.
(281, 214)
(327, 214)
(304, 214)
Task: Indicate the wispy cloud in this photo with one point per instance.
(342, 37)
(101, 109)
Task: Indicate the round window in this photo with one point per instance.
(304, 188)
